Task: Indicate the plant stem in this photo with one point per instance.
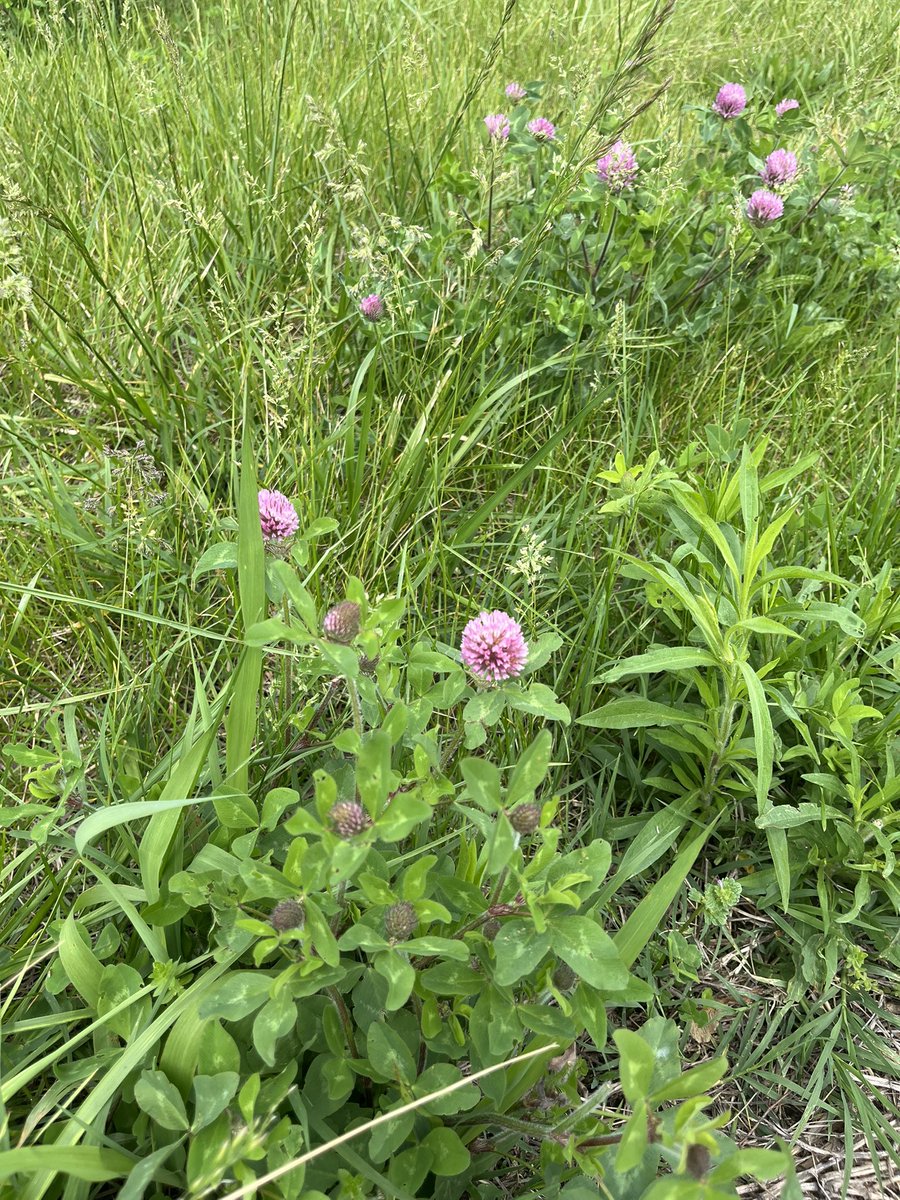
(354, 706)
(338, 1001)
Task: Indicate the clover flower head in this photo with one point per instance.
(497, 126)
(764, 206)
(618, 168)
(780, 167)
(277, 516)
(730, 101)
(541, 129)
(493, 647)
(372, 307)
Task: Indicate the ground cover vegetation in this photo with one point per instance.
(449, 673)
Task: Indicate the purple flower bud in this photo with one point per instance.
(541, 129)
(372, 307)
(764, 206)
(497, 126)
(618, 168)
(277, 516)
(349, 818)
(341, 623)
(730, 101)
(781, 167)
(785, 105)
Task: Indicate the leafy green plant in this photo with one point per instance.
(779, 698)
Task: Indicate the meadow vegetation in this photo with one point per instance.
(318, 341)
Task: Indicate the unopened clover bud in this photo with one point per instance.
(349, 818)
(564, 977)
(341, 623)
(491, 928)
(699, 1160)
(400, 921)
(287, 914)
(525, 819)
(368, 666)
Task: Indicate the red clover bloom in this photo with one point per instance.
(730, 101)
(277, 516)
(493, 647)
(372, 307)
(618, 168)
(781, 167)
(541, 129)
(785, 105)
(515, 92)
(497, 126)
(764, 206)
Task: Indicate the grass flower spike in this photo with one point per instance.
(493, 647)
(277, 516)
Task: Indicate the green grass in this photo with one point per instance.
(194, 197)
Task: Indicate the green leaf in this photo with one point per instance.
(590, 952)
(635, 713)
(666, 658)
(373, 770)
(275, 1019)
(763, 736)
(482, 782)
(636, 1063)
(697, 1080)
(485, 707)
(540, 701)
(634, 1139)
(236, 996)
(240, 723)
(161, 1100)
(518, 951)
(787, 816)
(530, 770)
(212, 1095)
(450, 1154)
(220, 557)
(399, 973)
(648, 916)
(92, 1164)
(79, 963)
(389, 1055)
(762, 1164)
